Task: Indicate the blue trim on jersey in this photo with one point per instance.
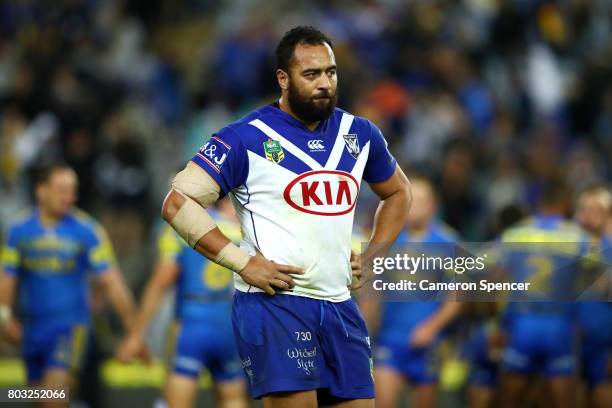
(290, 162)
(381, 164)
(225, 155)
(298, 134)
(254, 229)
(248, 195)
(251, 214)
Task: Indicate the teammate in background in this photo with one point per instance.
(484, 344)
(593, 210)
(47, 256)
(485, 341)
(407, 344)
(203, 311)
(540, 334)
(293, 171)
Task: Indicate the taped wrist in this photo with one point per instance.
(232, 257)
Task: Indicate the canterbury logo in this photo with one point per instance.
(316, 145)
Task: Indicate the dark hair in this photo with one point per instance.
(297, 35)
(509, 215)
(554, 192)
(43, 173)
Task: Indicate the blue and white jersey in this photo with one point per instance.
(295, 190)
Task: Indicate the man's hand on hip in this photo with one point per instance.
(268, 275)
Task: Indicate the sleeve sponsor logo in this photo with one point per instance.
(214, 153)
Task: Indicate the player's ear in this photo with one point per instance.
(283, 79)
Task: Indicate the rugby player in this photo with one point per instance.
(406, 351)
(45, 263)
(540, 336)
(593, 210)
(293, 170)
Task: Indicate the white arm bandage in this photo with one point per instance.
(192, 221)
(232, 257)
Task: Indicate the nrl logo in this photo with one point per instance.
(352, 144)
(274, 151)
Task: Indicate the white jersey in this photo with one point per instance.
(295, 190)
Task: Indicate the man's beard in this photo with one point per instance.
(305, 107)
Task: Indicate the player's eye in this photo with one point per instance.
(331, 72)
(310, 75)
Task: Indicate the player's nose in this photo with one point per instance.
(324, 83)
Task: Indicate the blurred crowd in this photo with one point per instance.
(491, 98)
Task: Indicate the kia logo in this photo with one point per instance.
(323, 192)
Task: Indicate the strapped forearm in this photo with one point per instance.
(192, 221)
(199, 191)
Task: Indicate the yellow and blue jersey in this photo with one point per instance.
(204, 288)
(548, 254)
(546, 251)
(52, 265)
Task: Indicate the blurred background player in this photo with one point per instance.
(484, 342)
(540, 334)
(45, 262)
(409, 334)
(203, 309)
(483, 349)
(593, 211)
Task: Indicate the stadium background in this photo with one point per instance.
(489, 97)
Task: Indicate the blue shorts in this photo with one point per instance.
(540, 344)
(48, 346)
(200, 345)
(294, 343)
(420, 366)
(596, 358)
(483, 370)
